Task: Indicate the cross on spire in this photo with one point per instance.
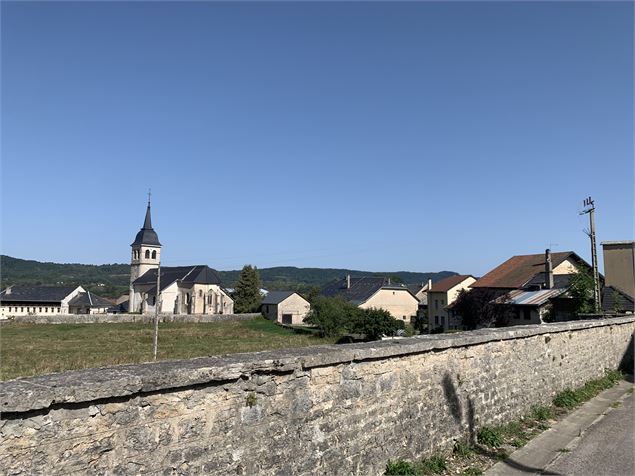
(149, 195)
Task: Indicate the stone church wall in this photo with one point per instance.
(319, 410)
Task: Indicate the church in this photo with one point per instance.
(183, 289)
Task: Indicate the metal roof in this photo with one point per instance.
(530, 298)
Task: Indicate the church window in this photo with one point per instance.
(200, 293)
(154, 300)
(147, 253)
(154, 254)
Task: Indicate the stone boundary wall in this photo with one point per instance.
(317, 410)
(119, 318)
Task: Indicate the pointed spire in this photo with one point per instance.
(147, 223)
(147, 235)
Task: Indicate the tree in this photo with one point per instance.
(483, 307)
(331, 315)
(581, 290)
(247, 294)
(375, 323)
(335, 317)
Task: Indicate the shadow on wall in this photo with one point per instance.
(456, 409)
(453, 399)
(628, 362)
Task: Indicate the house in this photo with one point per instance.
(441, 295)
(286, 307)
(619, 266)
(535, 285)
(420, 291)
(192, 289)
(89, 303)
(22, 300)
(377, 292)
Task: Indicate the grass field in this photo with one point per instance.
(35, 349)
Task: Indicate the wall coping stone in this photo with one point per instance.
(80, 386)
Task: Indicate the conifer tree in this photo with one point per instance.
(247, 294)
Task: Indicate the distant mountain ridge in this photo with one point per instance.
(112, 280)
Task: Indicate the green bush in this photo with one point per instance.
(335, 317)
(572, 398)
(566, 399)
(463, 448)
(472, 471)
(433, 465)
(541, 413)
(401, 467)
(490, 436)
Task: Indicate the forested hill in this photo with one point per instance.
(111, 280)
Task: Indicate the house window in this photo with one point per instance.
(436, 304)
(526, 314)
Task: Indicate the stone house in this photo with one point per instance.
(441, 296)
(285, 307)
(183, 289)
(535, 285)
(20, 300)
(377, 292)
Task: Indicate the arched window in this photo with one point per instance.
(147, 253)
(200, 293)
(154, 254)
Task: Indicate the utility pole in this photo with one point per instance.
(590, 209)
(156, 312)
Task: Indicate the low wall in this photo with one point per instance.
(119, 318)
(317, 410)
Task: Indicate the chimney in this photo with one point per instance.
(389, 281)
(348, 281)
(548, 270)
(429, 284)
(8, 290)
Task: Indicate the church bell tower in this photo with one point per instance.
(146, 255)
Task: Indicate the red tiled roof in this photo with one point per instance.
(448, 283)
(518, 270)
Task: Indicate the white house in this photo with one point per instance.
(22, 300)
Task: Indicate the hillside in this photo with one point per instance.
(111, 280)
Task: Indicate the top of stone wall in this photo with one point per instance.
(36, 393)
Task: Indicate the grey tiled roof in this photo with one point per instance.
(362, 288)
(276, 297)
(20, 293)
(89, 299)
(199, 274)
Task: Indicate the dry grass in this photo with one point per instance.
(29, 349)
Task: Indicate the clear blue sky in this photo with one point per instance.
(376, 136)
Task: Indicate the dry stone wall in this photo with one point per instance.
(320, 410)
(121, 318)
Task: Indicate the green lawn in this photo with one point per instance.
(35, 349)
